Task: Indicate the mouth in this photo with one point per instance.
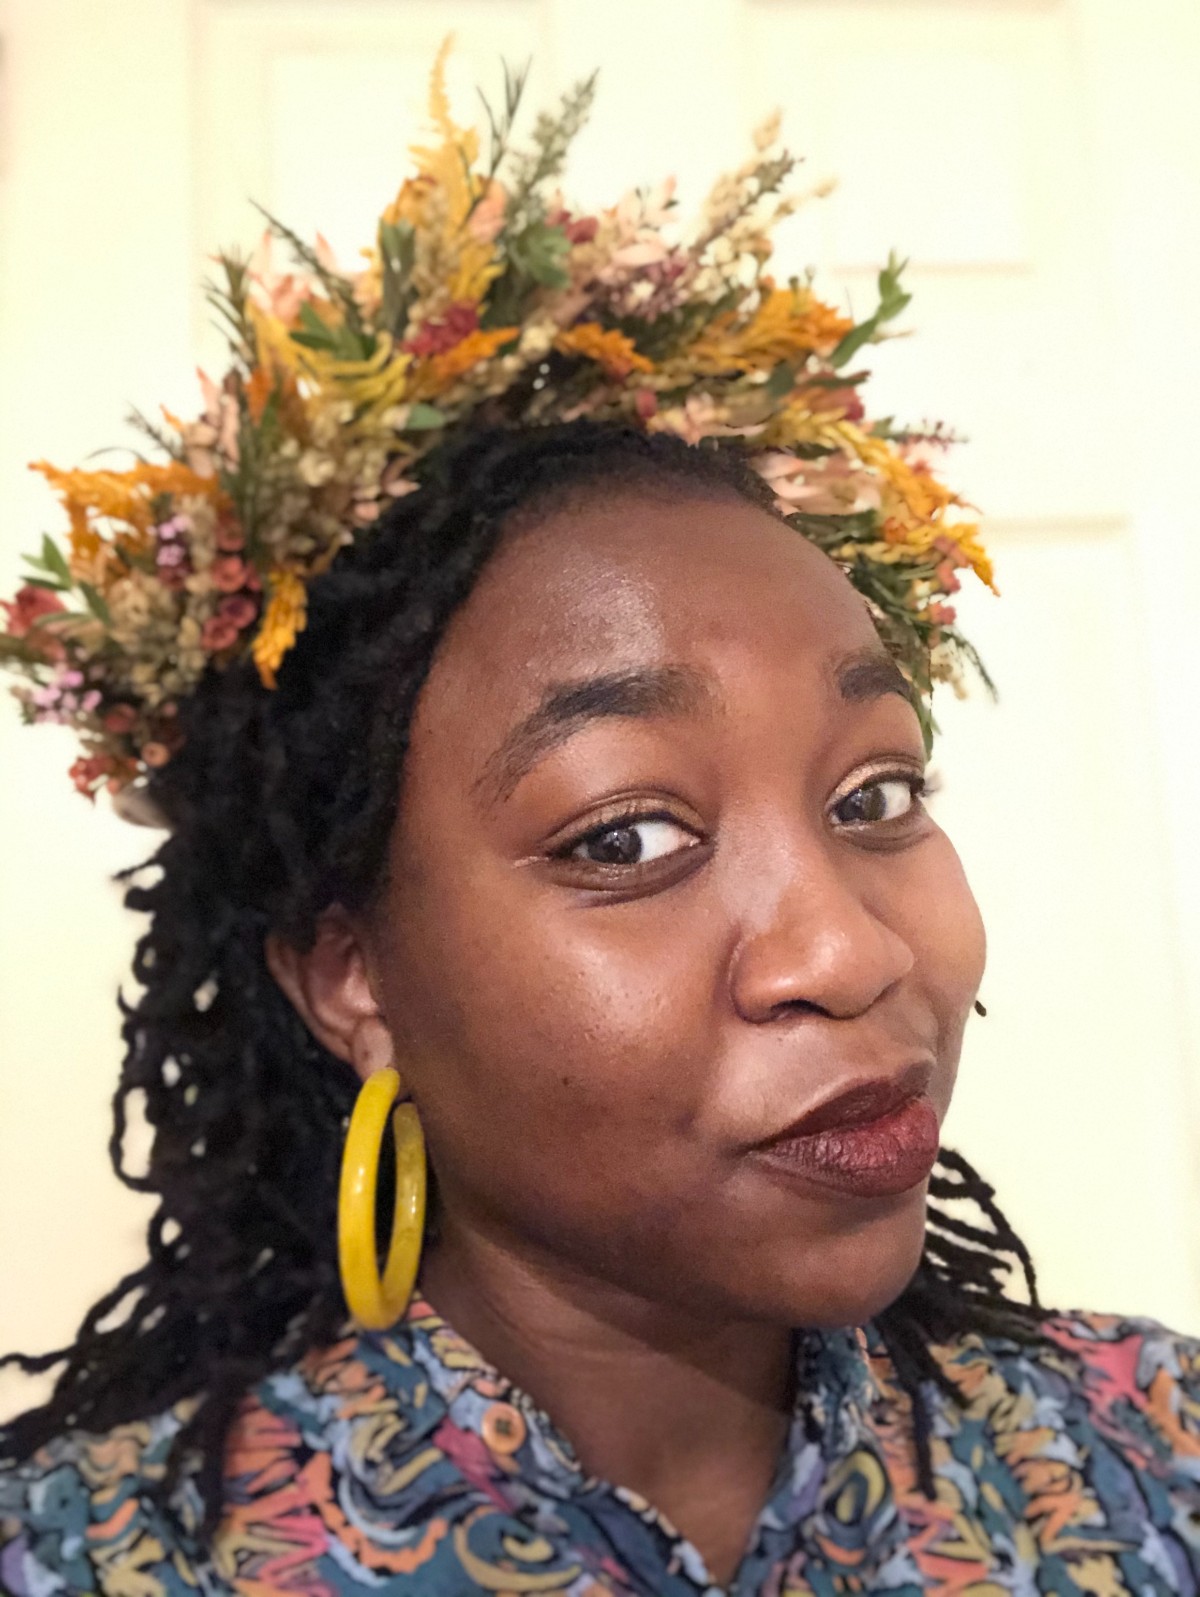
(877, 1139)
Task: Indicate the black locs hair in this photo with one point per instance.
(281, 805)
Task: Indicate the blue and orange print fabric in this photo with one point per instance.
(400, 1463)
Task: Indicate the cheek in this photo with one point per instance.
(935, 911)
(539, 1025)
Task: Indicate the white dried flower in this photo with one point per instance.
(316, 468)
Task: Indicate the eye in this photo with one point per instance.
(887, 798)
(630, 841)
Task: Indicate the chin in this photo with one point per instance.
(849, 1278)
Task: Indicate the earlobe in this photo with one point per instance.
(329, 987)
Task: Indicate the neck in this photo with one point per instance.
(690, 1413)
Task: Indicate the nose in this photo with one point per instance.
(813, 942)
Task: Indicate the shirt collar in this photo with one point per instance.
(447, 1386)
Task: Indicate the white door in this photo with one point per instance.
(1038, 162)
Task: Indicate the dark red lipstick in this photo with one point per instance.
(877, 1140)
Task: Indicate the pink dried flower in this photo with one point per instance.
(394, 483)
(229, 538)
(487, 219)
(228, 574)
(831, 486)
(239, 608)
(219, 633)
(951, 550)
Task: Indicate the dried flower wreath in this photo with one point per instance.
(483, 299)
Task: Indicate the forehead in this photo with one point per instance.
(646, 578)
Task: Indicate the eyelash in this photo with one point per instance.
(618, 823)
(921, 785)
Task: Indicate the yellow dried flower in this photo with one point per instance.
(788, 323)
(283, 622)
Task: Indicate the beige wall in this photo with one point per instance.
(1041, 161)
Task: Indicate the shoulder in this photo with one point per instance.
(1121, 1393)
(1118, 1366)
(89, 1514)
(1140, 1379)
(79, 1516)
(365, 1465)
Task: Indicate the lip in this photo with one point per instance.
(876, 1139)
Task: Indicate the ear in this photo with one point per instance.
(330, 988)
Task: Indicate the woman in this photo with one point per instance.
(584, 795)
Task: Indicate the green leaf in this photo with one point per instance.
(781, 381)
(540, 252)
(893, 301)
(32, 560)
(95, 603)
(397, 250)
(53, 562)
(44, 582)
(230, 300)
(342, 341)
(929, 727)
(552, 138)
(172, 446)
(500, 127)
(424, 418)
(316, 333)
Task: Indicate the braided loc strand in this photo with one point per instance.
(281, 805)
(961, 1286)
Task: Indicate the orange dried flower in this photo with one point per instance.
(123, 495)
(617, 354)
(470, 351)
(258, 391)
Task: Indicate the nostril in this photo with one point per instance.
(793, 1008)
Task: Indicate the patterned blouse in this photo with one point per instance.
(402, 1463)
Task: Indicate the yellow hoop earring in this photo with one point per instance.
(378, 1303)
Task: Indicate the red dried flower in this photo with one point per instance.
(29, 606)
(441, 333)
(122, 718)
(89, 771)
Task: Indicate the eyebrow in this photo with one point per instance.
(566, 707)
(870, 673)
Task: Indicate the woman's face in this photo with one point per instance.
(659, 889)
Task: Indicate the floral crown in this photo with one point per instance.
(481, 286)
